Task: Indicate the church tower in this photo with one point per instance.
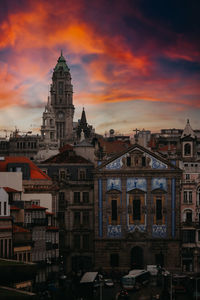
(61, 95)
(188, 139)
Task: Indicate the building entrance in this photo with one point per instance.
(137, 258)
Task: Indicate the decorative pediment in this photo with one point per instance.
(158, 191)
(114, 191)
(136, 157)
(136, 191)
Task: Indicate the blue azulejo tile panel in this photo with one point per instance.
(136, 183)
(159, 231)
(156, 164)
(117, 163)
(141, 228)
(114, 184)
(114, 231)
(159, 183)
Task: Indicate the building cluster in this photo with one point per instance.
(111, 202)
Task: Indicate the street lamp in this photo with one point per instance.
(101, 286)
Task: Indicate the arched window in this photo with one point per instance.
(187, 149)
(188, 216)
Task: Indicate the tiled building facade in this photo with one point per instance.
(137, 211)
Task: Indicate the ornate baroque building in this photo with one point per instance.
(137, 211)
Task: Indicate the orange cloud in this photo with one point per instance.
(10, 94)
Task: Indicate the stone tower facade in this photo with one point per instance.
(60, 106)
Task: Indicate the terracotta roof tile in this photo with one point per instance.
(51, 228)
(19, 229)
(10, 190)
(113, 147)
(35, 172)
(35, 207)
(13, 207)
(66, 157)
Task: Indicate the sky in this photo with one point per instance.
(134, 63)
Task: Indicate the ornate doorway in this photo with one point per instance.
(137, 258)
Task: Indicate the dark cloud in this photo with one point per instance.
(179, 66)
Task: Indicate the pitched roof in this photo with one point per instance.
(35, 172)
(66, 147)
(13, 207)
(49, 213)
(10, 190)
(49, 228)
(19, 229)
(188, 131)
(66, 156)
(35, 207)
(143, 149)
(113, 147)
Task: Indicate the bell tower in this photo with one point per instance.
(61, 94)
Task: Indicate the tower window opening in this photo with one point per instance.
(187, 149)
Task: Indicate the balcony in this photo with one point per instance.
(189, 224)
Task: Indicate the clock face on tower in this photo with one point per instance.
(60, 115)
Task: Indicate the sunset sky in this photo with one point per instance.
(134, 63)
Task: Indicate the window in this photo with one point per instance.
(187, 149)
(6, 248)
(76, 197)
(86, 241)
(114, 209)
(82, 174)
(188, 216)
(86, 218)
(5, 209)
(114, 260)
(51, 135)
(77, 241)
(187, 197)
(62, 174)
(158, 208)
(85, 197)
(1, 249)
(136, 208)
(187, 176)
(77, 218)
(143, 161)
(188, 236)
(128, 161)
(61, 202)
(60, 87)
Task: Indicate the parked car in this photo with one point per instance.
(108, 282)
(123, 294)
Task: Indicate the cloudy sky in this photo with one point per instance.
(134, 63)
